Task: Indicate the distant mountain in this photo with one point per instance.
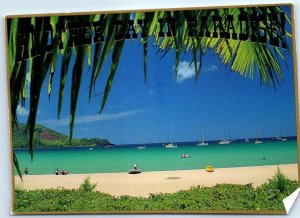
(45, 137)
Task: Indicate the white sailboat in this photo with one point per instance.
(203, 143)
(257, 141)
(246, 139)
(142, 145)
(224, 141)
(171, 144)
(281, 138)
(277, 136)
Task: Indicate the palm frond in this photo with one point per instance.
(116, 54)
(63, 78)
(76, 80)
(16, 163)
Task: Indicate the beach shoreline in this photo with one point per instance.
(147, 183)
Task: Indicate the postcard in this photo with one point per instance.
(188, 110)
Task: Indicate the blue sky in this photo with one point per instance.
(135, 112)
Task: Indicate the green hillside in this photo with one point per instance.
(45, 137)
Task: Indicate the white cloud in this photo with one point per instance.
(211, 68)
(186, 70)
(22, 111)
(91, 118)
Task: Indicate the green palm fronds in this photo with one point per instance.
(63, 77)
(16, 163)
(76, 80)
(116, 54)
(107, 47)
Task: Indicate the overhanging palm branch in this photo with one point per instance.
(241, 56)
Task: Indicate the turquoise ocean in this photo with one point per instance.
(157, 158)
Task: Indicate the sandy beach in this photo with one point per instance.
(144, 184)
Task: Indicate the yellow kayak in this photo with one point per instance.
(209, 169)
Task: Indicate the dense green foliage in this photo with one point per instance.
(220, 197)
(45, 137)
(279, 181)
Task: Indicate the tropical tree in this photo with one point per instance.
(243, 57)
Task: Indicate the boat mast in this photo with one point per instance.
(202, 134)
(171, 132)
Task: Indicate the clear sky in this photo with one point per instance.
(135, 112)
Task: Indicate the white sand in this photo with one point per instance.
(143, 184)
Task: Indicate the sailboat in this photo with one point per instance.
(141, 146)
(257, 141)
(277, 136)
(224, 141)
(203, 143)
(246, 139)
(281, 138)
(171, 144)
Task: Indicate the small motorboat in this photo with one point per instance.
(135, 171)
(209, 169)
(185, 156)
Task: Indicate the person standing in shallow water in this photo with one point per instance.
(26, 171)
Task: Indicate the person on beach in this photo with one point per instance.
(56, 172)
(26, 171)
(64, 172)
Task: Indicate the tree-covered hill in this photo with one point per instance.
(45, 137)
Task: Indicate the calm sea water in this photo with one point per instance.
(157, 158)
